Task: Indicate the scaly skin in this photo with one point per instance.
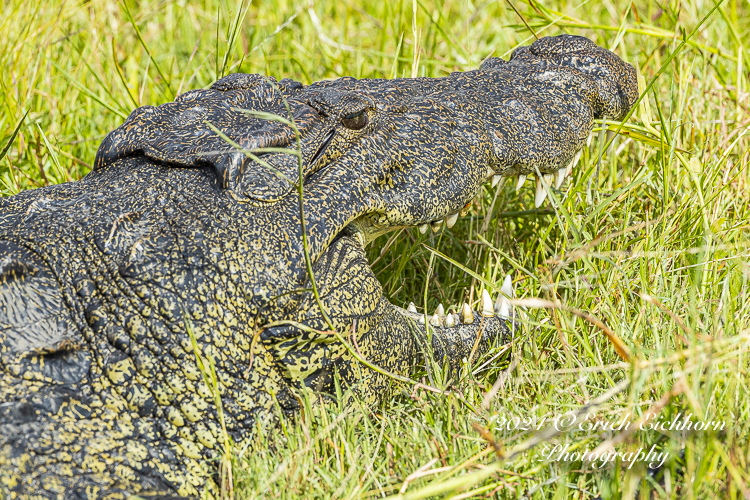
(177, 230)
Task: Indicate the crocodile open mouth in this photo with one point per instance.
(501, 307)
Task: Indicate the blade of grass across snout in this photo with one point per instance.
(250, 153)
(300, 189)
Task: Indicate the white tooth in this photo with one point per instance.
(569, 170)
(423, 228)
(549, 179)
(421, 319)
(502, 304)
(504, 308)
(588, 141)
(435, 320)
(519, 184)
(440, 311)
(451, 220)
(507, 287)
(541, 194)
(496, 179)
(436, 225)
(487, 309)
(467, 315)
(412, 308)
(573, 163)
(560, 178)
(450, 320)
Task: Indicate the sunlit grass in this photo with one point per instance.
(650, 236)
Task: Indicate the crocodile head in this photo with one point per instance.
(185, 244)
(413, 151)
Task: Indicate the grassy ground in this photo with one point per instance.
(650, 237)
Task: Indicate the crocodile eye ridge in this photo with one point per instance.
(355, 121)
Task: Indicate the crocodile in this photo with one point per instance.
(184, 295)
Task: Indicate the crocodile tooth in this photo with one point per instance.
(423, 228)
(451, 220)
(569, 170)
(436, 225)
(502, 304)
(560, 178)
(450, 320)
(577, 157)
(440, 311)
(421, 319)
(435, 320)
(412, 308)
(588, 141)
(502, 307)
(519, 183)
(507, 287)
(465, 210)
(487, 309)
(573, 163)
(499, 301)
(496, 179)
(541, 194)
(490, 172)
(467, 315)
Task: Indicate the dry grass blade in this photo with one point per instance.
(622, 350)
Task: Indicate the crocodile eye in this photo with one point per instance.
(355, 121)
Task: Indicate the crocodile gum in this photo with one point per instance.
(187, 239)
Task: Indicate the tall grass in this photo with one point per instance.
(648, 241)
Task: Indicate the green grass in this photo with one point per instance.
(650, 236)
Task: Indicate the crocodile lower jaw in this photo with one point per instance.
(502, 308)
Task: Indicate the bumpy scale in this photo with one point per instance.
(190, 223)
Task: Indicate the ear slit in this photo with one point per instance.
(323, 147)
